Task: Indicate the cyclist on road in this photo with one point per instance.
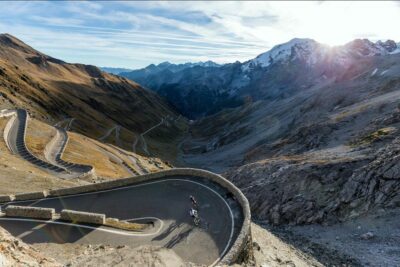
(194, 202)
(193, 213)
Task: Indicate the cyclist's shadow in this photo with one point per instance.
(168, 231)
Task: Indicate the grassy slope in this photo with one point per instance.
(18, 175)
(38, 135)
(80, 149)
(52, 90)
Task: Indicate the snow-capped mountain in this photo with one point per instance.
(297, 48)
(197, 89)
(312, 52)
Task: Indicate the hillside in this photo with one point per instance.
(52, 90)
(330, 146)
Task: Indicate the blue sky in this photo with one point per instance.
(135, 34)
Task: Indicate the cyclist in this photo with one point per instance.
(194, 202)
(193, 213)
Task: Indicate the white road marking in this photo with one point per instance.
(154, 182)
(117, 232)
(31, 231)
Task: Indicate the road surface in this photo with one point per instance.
(16, 141)
(54, 150)
(164, 201)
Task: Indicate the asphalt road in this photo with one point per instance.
(18, 147)
(164, 201)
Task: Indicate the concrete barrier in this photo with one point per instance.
(241, 247)
(32, 195)
(6, 198)
(30, 212)
(83, 217)
(7, 129)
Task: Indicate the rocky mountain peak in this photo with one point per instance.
(312, 52)
(297, 48)
(364, 47)
(389, 45)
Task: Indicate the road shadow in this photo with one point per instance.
(42, 232)
(172, 227)
(178, 238)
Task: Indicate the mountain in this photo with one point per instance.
(142, 74)
(153, 71)
(286, 68)
(317, 140)
(52, 90)
(115, 71)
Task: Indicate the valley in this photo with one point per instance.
(315, 141)
(309, 134)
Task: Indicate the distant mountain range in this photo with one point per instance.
(115, 71)
(198, 89)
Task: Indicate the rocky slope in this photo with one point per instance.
(13, 252)
(106, 255)
(322, 152)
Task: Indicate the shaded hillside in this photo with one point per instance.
(52, 90)
(322, 152)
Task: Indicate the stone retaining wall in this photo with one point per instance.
(32, 195)
(30, 212)
(6, 198)
(241, 248)
(83, 217)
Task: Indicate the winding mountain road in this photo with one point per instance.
(54, 164)
(143, 141)
(165, 201)
(16, 142)
(54, 150)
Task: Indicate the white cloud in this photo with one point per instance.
(134, 34)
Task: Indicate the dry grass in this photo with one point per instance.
(18, 176)
(374, 136)
(38, 135)
(124, 225)
(83, 150)
(350, 112)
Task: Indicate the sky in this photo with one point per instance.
(136, 34)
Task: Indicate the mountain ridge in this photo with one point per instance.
(52, 90)
(272, 74)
